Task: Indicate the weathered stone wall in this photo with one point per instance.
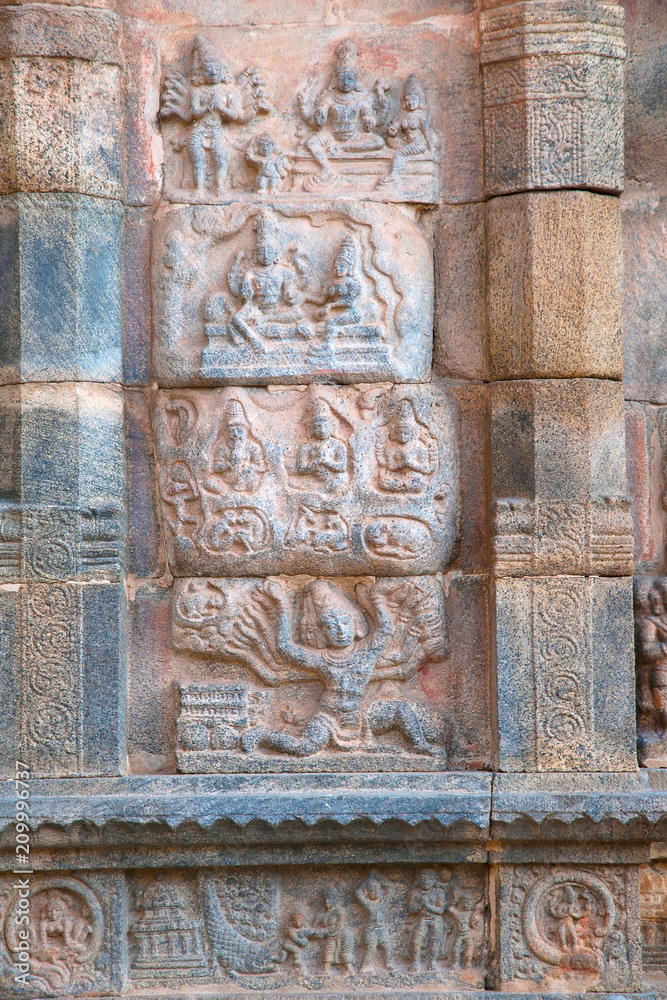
(332, 387)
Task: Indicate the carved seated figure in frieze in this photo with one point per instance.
(206, 103)
(406, 452)
(411, 133)
(343, 310)
(322, 460)
(344, 117)
(651, 652)
(238, 461)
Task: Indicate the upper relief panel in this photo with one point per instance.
(249, 114)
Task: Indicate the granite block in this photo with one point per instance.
(63, 668)
(312, 480)
(145, 553)
(62, 492)
(565, 674)
(559, 492)
(136, 312)
(59, 289)
(554, 285)
(460, 338)
(645, 294)
(570, 928)
(553, 95)
(646, 448)
(55, 32)
(291, 293)
(645, 112)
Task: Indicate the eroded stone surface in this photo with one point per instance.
(321, 480)
(310, 292)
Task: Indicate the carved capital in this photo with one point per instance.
(553, 96)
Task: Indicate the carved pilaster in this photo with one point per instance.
(553, 96)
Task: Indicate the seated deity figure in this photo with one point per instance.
(410, 133)
(210, 101)
(340, 647)
(341, 296)
(238, 457)
(344, 118)
(268, 290)
(406, 452)
(323, 456)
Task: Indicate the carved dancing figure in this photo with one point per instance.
(568, 908)
(345, 651)
(324, 456)
(209, 101)
(468, 923)
(294, 940)
(268, 290)
(238, 457)
(272, 166)
(338, 944)
(428, 901)
(406, 452)
(182, 493)
(373, 894)
(341, 296)
(411, 133)
(344, 118)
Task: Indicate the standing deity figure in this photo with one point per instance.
(338, 945)
(373, 894)
(343, 649)
(238, 457)
(651, 644)
(341, 296)
(428, 902)
(344, 118)
(272, 166)
(323, 456)
(268, 290)
(406, 452)
(205, 105)
(410, 134)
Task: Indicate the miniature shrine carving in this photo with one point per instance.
(334, 130)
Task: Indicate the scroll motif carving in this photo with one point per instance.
(51, 708)
(59, 543)
(291, 291)
(288, 481)
(333, 644)
(343, 132)
(587, 537)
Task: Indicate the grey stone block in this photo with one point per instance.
(63, 673)
(60, 289)
(565, 667)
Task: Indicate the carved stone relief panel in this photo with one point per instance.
(650, 600)
(75, 931)
(314, 674)
(323, 928)
(653, 883)
(352, 117)
(292, 291)
(316, 480)
(569, 929)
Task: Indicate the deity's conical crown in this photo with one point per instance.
(204, 51)
(405, 414)
(347, 56)
(235, 414)
(414, 87)
(265, 230)
(347, 252)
